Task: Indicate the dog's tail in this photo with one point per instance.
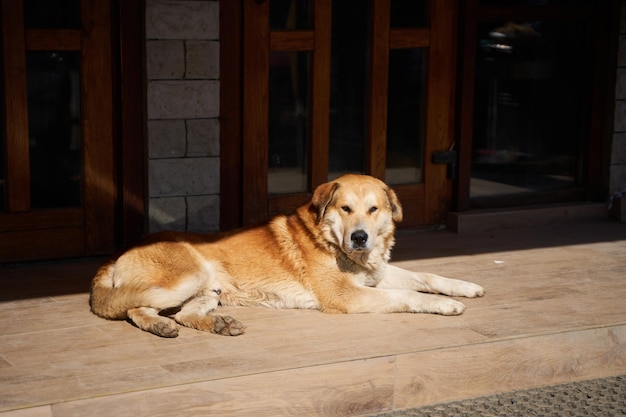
(106, 300)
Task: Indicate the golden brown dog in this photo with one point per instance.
(332, 254)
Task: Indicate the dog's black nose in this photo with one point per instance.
(359, 238)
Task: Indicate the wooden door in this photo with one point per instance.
(341, 103)
(57, 184)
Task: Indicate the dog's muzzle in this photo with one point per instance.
(359, 240)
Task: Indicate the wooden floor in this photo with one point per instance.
(554, 312)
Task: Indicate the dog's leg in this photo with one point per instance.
(148, 319)
(196, 313)
(396, 277)
(376, 300)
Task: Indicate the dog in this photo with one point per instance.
(332, 254)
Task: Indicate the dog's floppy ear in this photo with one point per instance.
(322, 197)
(396, 208)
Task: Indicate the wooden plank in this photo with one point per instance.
(409, 38)
(53, 39)
(97, 106)
(292, 40)
(353, 388)
(440, 110)
(230, 114)
(132, 133)
(255, 111)
(452, 374)
(285, 204)
(41, 219)
(15, 106)
(412, 200)
(43, 411)
(320, 93)
(41, 244)
(378, 89)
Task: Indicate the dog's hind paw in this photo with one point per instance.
(165, 329)
(228, 326)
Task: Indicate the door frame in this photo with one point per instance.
(237, 185)
(132, 222)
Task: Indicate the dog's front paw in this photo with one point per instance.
(449, 307)
(474, 290)
(228, 326)
(466, 289)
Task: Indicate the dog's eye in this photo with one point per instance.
(373, 209)
(346, 209)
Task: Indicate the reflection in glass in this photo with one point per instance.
(409, 13)
(290, 14)
(530, 102)
(52, 14)
(406, 115)
(289, 119)
(54, 129)
(348, 85)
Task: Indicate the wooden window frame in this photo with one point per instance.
(118, 170)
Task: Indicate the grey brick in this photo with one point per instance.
(622, 26)
(620, 116)
(167, 214)
(166, 138)
(202, 59)
(621, 53)
(183, 177)
(183, 99)
(182, 19)
(203, 137)
(618, 178)
(165, 59)
(618, 154)
(620, 84)
(203, 213)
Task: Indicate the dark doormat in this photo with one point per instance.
(604, 397)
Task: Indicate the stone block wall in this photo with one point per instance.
(182, 67)
(618, 154)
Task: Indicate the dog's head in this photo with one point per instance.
(357, 213)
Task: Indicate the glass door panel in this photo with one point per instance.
(57, 14)
(406, 118)
(289, 124)
(348, 87)
(529, 107)
(409, 13)
(290, 14)
(54, 128)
